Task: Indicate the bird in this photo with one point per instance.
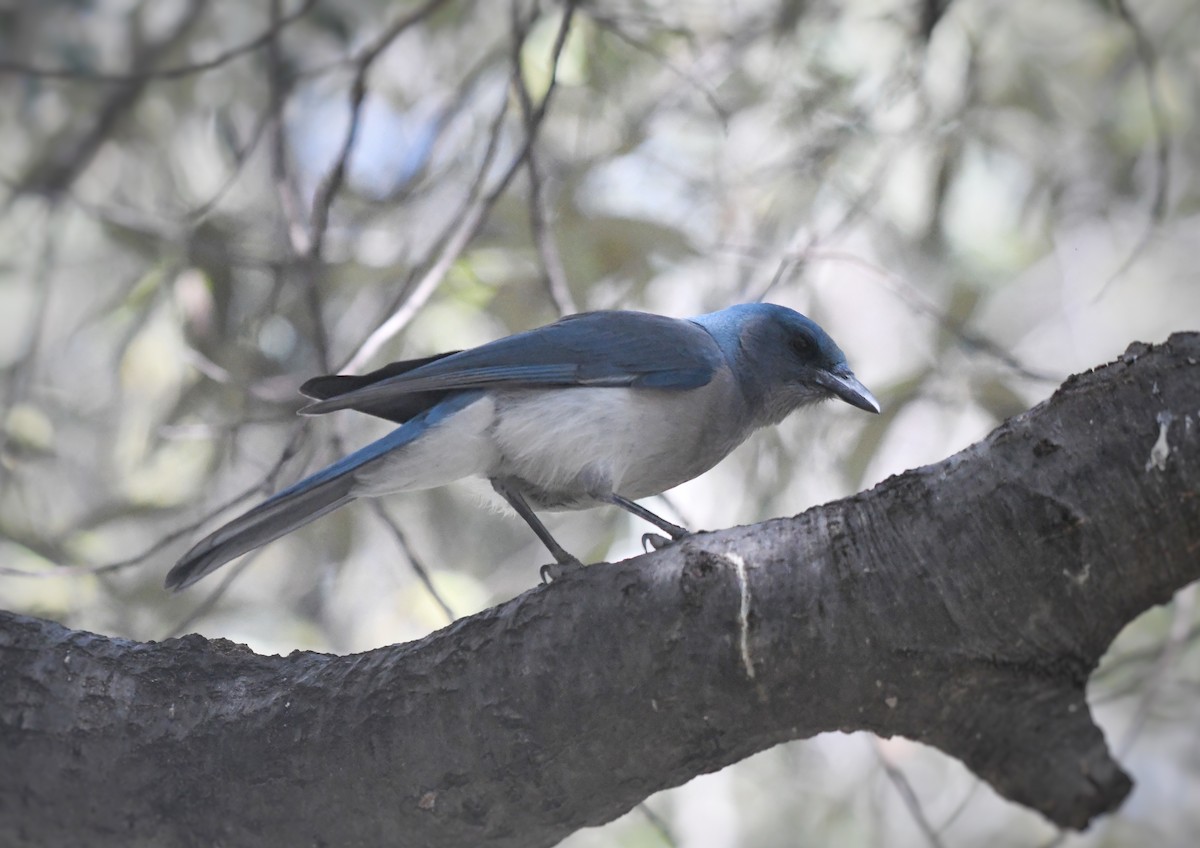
(597, 408)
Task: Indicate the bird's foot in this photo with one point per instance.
(656, 541)
(558, 570)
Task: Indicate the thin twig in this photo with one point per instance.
(448, 246)
(610, 24)
(1183, 616)
(7, 66)
(1147, 57)
(213, 597)
(915, 300)
(1139, 656)
(311, 246)
(658, 823)
(265, 484)
(961, 807)
(553, 273)
(301, 239)
(21, 371)
(59, 168)
(285, 186)
(907, 795)
(804, 243)
(468, 224)
(417, 565)
(199, 213)
(334, 178)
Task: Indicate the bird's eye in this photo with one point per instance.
(802, 345)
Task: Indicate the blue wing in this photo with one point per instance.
(624, 349)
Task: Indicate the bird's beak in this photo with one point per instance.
(847, 387)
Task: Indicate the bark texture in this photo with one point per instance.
(963, 605)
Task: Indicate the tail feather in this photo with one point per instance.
(325, 491)
(268, 521)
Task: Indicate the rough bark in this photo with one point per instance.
(963, 605)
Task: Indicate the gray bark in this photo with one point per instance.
(962, 605)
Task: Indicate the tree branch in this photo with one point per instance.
(962, 605)
(93, 76)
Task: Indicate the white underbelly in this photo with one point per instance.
(568, 447)
(588, 441)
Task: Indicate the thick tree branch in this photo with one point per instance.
(962, 604)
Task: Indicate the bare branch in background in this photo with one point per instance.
(417, 565)
(213, 597)
(7, 66)
(305, 240)
(612, 24)
(62, 164)
(262, 126)
(332, 182)
(20, 373)
(1147, 57)
(286, 188)
(918, 302)
(468, 225)
(554, 275)
(931, 13)
(904, 789)
(308, 242)
(659, 824)
(1183, 614)
(264, 486)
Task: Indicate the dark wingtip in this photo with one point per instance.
(319, 388)
(320, 407)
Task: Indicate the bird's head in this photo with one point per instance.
(787, 361)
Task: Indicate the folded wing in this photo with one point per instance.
(630, 349)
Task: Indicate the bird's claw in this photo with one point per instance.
(558, 570)
(654, 541)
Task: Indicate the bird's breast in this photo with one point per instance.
(570, 447)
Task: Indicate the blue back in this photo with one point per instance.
(629, 349)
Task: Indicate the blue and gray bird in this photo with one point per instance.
(598, 408)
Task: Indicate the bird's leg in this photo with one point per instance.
(652, 540)
(673, 530)
(563, 563)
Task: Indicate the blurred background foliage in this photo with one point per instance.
(204, 202)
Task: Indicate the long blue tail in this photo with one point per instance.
(305, 501)
(283, 512)
(294, 507)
